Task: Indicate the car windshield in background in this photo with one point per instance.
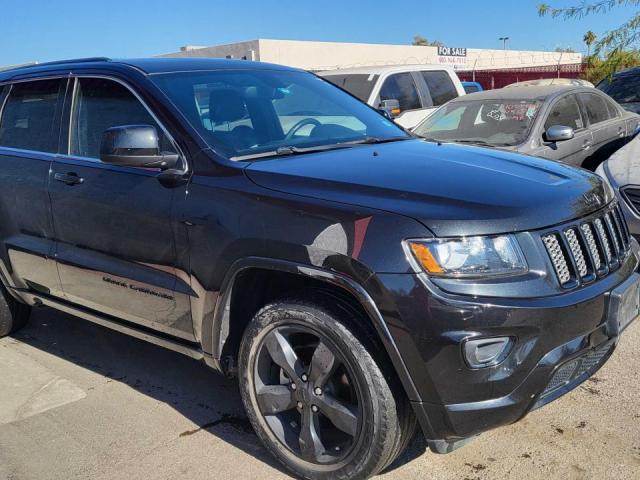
(484, 122)
(625, 89)
(260, 113)
(357, 84)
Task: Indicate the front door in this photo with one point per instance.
(566, 112)
(114, 225)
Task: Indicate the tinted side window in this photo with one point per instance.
(613, 110)
(100, 104)
(596, 107)
(28, 117)
(565, 112)
(440, 86)
(359, 84)
(400, 87)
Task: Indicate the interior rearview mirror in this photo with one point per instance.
(558, 133)
(391, 106)
(135, 146)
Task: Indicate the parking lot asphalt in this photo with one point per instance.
(78, 401)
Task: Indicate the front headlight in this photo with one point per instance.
(469, 256)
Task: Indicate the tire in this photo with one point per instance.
(358, 426)
(13, 314)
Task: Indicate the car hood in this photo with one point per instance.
(451, 189)
(631, 106)
(623, 167)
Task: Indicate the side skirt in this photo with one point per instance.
(189, 349)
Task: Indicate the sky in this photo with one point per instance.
(44, 30)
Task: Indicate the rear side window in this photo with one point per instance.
(359, 84)
(595, 107)
(613, 109)
(440, 87)
(100, 104)
(565, 112)
(28, 117)
(400, 86)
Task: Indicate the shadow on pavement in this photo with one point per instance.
(208, 399)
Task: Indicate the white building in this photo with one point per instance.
(335, 55)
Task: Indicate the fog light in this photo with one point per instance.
(486, 352)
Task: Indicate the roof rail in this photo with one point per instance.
(77, 60)
(61, 62)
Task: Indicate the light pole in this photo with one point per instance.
(504, 42)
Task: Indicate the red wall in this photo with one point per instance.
(490, 79)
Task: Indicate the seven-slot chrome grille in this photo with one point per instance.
(588, 248)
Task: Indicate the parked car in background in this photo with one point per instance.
(472, 87)
(624, 88)
(580, 126)
(622, 172)
(408, 93)
(573, 82)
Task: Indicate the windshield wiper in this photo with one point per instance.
(474, 142)
(290, 150)
(376, 140)
(293, 150)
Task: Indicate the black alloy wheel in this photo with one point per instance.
(307, 394)
(315, 393)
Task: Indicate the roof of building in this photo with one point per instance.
(380, 69)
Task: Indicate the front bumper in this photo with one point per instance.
(559, 342)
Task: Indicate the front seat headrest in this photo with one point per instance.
(226, 105)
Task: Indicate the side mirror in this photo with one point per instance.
(391, 106)
(558, 133)
(135, 146)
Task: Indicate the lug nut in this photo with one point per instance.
(317, 391)
(300, 405)
(293, 386)
(314, 409)
(304, 377)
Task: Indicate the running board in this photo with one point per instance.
(159, 340)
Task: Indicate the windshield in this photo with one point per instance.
(358, 84)
(486, 122)
(258, 113)
(625, 89)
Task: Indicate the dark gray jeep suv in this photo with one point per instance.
(357, 280)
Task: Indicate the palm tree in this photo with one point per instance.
(589, 38)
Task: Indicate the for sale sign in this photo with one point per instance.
(452, 56)
(452, 52)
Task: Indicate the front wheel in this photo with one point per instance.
(315, 395)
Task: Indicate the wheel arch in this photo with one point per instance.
(220, 329)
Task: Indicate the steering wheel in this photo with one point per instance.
(299, 125)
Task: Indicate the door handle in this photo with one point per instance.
(620, 131)
(70, 178)
(586, 145)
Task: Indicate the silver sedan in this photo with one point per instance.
(579, 126)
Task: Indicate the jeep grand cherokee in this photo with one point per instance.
(358, 281)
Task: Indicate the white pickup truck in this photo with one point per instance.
(409, 93)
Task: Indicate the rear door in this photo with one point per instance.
(114, 225)
(566, 111)
(29, 129)
(606, 124)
